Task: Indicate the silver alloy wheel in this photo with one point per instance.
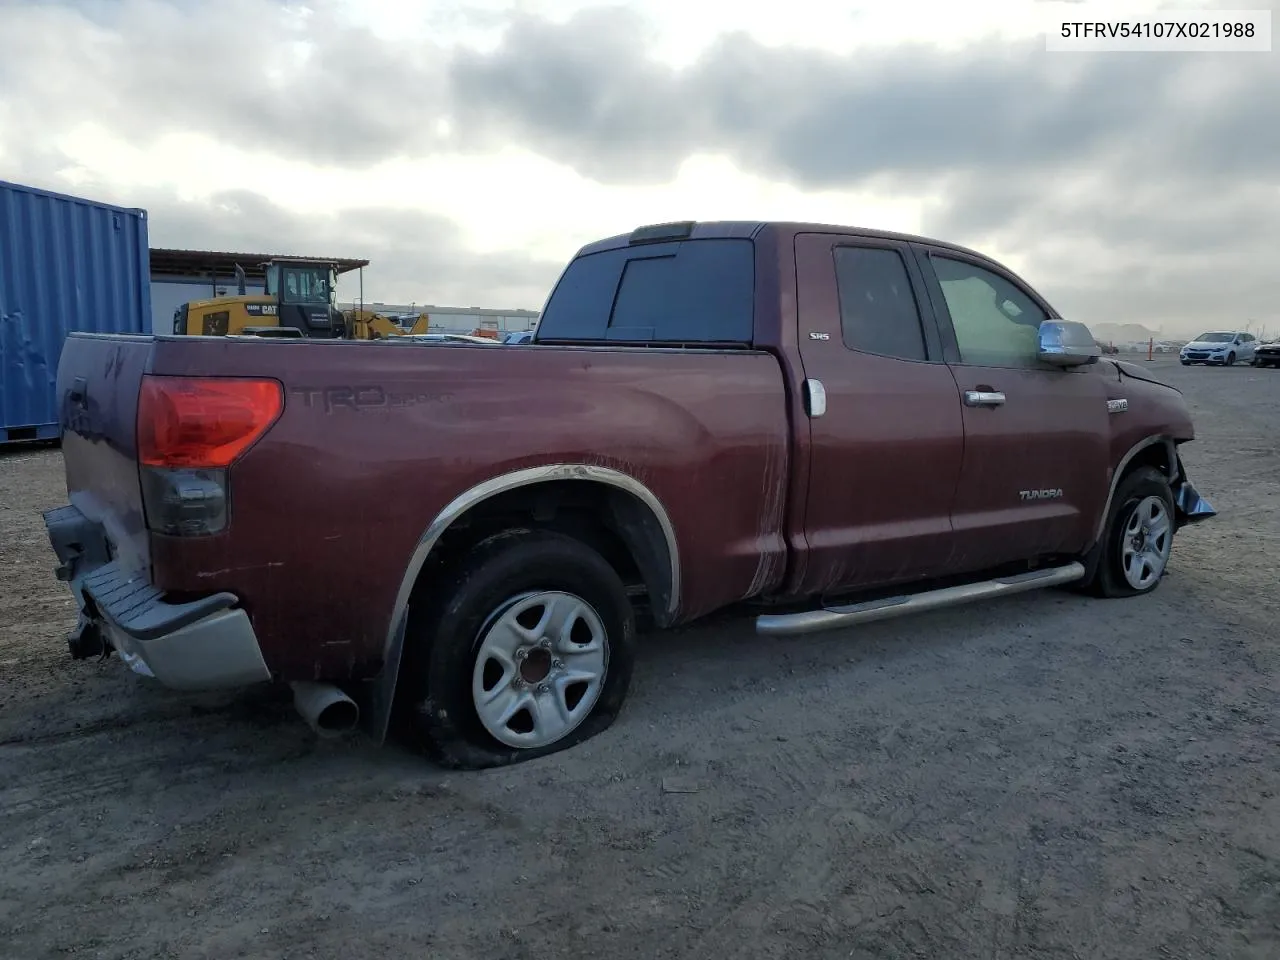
(540, 668)
(1147, 540)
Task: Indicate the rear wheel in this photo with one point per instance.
(528, 651)
(1138, 537)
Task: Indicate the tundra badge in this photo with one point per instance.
(1040, 494)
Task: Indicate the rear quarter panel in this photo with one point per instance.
(376, 439)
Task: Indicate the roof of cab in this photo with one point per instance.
(749, 229)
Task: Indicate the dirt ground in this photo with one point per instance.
(1046, 776)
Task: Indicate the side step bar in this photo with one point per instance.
(833, 618)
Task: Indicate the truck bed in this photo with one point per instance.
(375, 441)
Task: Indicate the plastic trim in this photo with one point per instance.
(217, 653)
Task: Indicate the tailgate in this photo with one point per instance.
(99, 380)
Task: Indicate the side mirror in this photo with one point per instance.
(1064, 343)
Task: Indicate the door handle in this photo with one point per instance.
(815, 395)
(983, 398)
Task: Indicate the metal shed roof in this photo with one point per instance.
(221, 263)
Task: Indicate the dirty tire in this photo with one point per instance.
(492, 577)
(1109, 578)
(1231, 359)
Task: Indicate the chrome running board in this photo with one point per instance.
(833, 618)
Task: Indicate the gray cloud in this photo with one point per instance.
(1181, 215)
(586, 93)
(415, 257)
(256, 72)
(1180, 221)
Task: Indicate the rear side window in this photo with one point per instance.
(689, 291)
(878, 309)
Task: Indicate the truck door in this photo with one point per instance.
(886, 436)
(1037, 437)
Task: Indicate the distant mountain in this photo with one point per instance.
(1123, 332)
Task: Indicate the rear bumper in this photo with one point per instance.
(203, 644)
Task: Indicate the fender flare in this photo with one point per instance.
(1171, 453)
(381, 693)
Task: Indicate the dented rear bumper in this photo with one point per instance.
(202, 644)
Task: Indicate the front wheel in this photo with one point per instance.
(1138, 537)
(1186, 363)
(528, 651)
(1231, 359)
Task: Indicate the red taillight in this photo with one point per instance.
(203, 422)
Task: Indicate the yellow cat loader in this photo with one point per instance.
(299, 296)
(368, 325)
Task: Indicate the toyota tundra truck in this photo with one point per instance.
(819, 426)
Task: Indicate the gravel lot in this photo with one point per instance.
(1044, 776)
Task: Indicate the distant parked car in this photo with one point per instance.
(518, 336)
(1107, 347)
(1221, 347)
(1267, 354)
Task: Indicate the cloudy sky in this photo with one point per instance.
(468, 148)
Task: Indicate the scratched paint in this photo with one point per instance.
(66, 264)
(223, 571)
(773, 492)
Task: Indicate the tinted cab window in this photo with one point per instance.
(690, 291)
(878, 309)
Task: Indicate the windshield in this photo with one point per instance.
(308, 285)
(1215, 338)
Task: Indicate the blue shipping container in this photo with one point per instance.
(66, 265)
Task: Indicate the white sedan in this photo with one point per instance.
(1221, 347)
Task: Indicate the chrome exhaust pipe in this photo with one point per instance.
(327, 710)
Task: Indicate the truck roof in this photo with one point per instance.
(724, 229)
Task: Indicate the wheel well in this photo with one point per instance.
(618, 525)
(1160, 455)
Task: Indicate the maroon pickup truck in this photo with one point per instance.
(821, 424)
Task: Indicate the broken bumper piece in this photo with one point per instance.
(202, 644)
(1189, 506)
